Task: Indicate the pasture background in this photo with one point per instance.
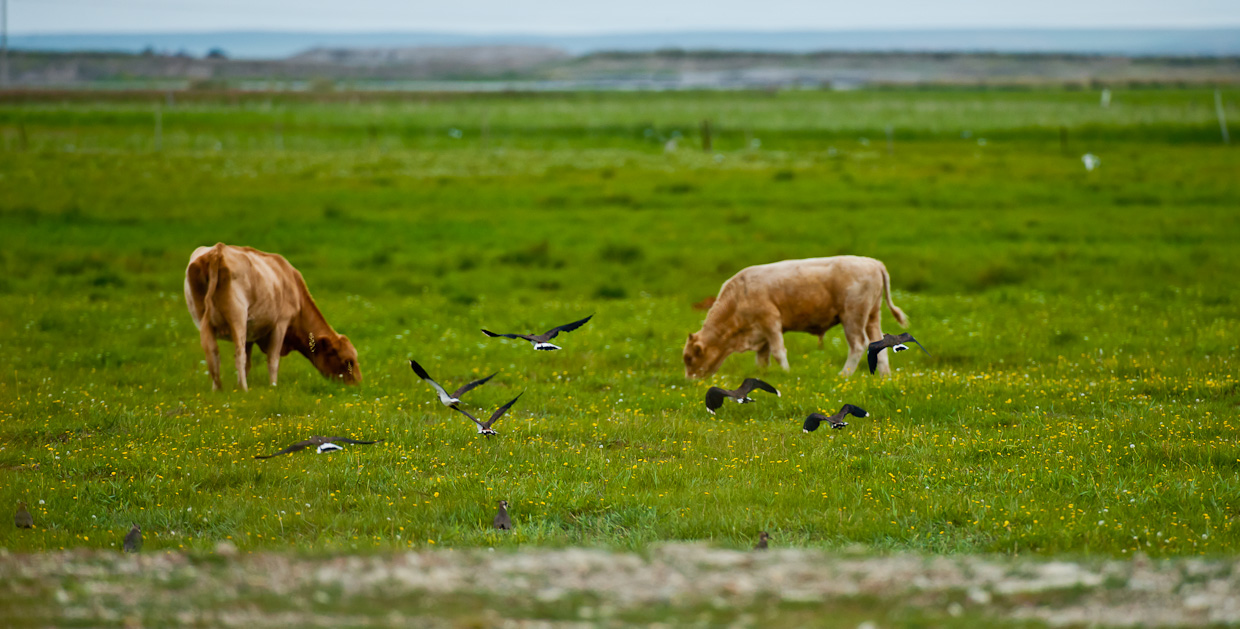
(1081, 397)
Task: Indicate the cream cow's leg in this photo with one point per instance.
(774, 331)
(275, 343)
(854, 333)
(763, 356)
(209, 347)
(239, 355)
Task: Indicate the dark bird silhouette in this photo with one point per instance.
(324, 444)
(897, 344)
(22, 518)
(540, 340)
(448, 400)
(836, 420)
(133, 540)
(485, 428)
(502, 521)
(715, 395)
(762, 541)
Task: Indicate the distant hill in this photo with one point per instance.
(279, 45)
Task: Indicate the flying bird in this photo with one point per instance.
(324, 444)
(540, 340)
(485, 428)
(897, 344)
(448, 400)
(133, 540)
(22, 518)
(502, 521)
(762, 541)
(836, 420)
(715, 395)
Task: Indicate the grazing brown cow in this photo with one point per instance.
(249, 296)
(756, 306)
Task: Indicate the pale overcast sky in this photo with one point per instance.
(585, 17)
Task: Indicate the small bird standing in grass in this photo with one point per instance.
(716, 395)
(836, 420)
(540, 340)
(897, 344)
(448, 400)
(502, 521)
(133, 540)
(763, 536)
(23, 519)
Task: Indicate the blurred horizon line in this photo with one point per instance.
(272, 43)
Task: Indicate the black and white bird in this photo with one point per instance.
(322, 444)
(716, 395)
(502, 521)
(449, 400)
(540, 340)
(133, 540)
(762, 538)
(897, 344)
(485, 428)
(836, 420)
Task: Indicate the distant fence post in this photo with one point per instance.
(1222, 118)
(159, 127)
(891, 149)
(279, 136)
(1063, 139)
(485, 135)
(706, 143)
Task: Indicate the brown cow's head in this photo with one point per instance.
(336, 358)
(701, 359)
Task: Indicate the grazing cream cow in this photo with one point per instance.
(757, 305)
(249, 296)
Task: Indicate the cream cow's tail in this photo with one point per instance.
(213, 258)
(895, 312)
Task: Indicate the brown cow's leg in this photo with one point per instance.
(820, 339)
(874, 331)
(212, 350)
(274, 344)
(854, 333)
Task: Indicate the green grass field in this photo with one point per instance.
(1081, 398)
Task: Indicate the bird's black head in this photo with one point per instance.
(764, 535)
(503, 504)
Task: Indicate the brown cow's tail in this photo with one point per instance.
(895, 312)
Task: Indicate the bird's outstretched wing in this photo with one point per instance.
(855, 411)
(461, 391)
(508, 336)
(811, 422)
(427, 377)
(910, 338)
(300, 445)
(753, 383)
(567, 327)
(714, 398)
(352, 441)
(871, 356)
(501, 410)
(471, 418)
